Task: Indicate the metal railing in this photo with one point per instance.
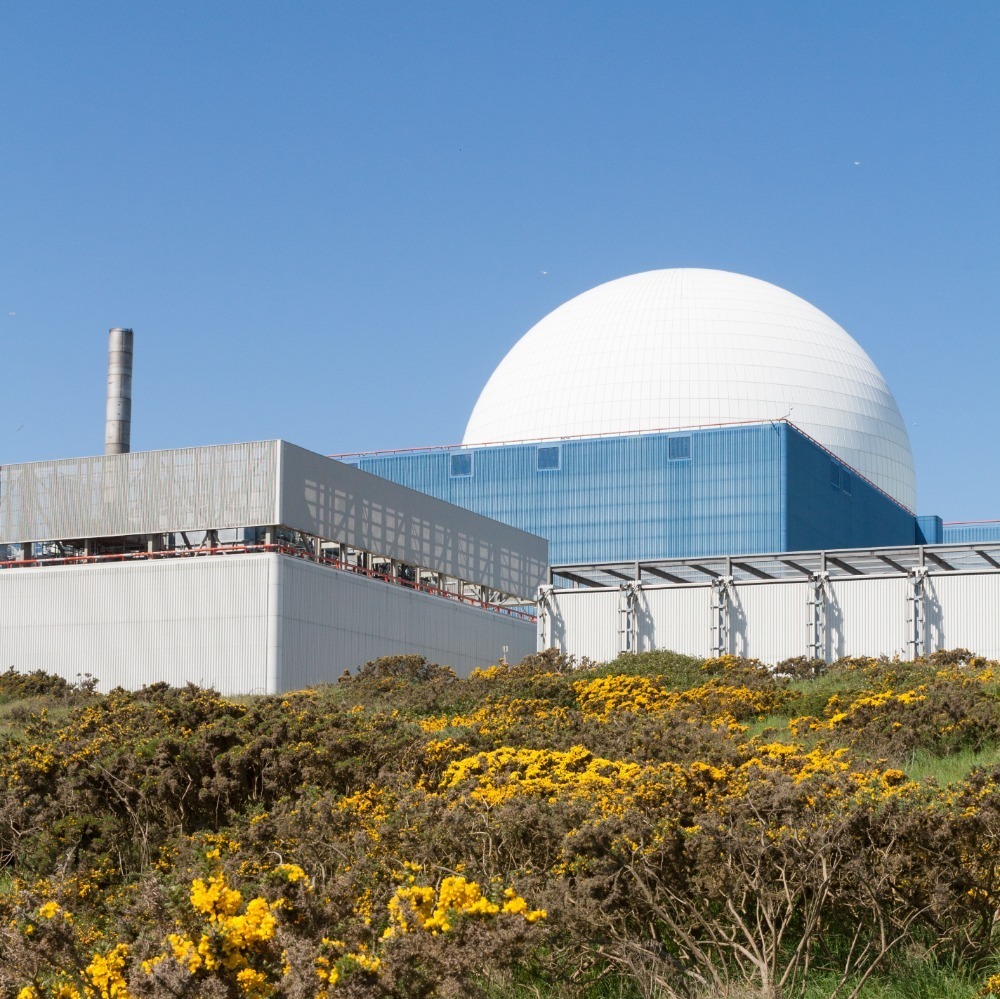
(48, 561)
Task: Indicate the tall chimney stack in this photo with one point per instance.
(118, 428)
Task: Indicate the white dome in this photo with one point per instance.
(675, 349)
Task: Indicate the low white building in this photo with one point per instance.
(256, 567)
(906, 601)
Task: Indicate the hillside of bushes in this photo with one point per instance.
(658, 826)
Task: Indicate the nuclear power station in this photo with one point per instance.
(685, 459)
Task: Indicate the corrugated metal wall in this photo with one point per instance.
(201, 620)
(619, 497)
(769, 622)
(864, 615)
(830, 506)
(208, 620)
(146, 492)
(677, 618)
(988, 530)
(930, 530)
(590, 622)
(584, 623)
(766, 622)
(867, 616)
(963, 612)
(742, 489)
(336, 620)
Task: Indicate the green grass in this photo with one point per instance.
(814, 693)
(949, 769)
(920, 979)
(774, 727)
(921, 765)
(8, 882)
(14, 715)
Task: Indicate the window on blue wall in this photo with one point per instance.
(548, 459)
(840, 478)
(461, 464)
(678, 448)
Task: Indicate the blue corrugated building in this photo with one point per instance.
(728, 490)
(971, 532)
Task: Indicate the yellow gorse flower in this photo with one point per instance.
(424, 908)
(214, 898)
(106, 973)
(232, 936)
(291, 873)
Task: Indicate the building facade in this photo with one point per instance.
(710, 491)
(255, 567)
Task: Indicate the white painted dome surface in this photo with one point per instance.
(685, 348)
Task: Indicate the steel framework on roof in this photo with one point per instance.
(785, 566)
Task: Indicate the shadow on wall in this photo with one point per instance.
(834, 642)
(933, 617)
(739, 639)
(556, 637)
(365, 520)
(645, 624)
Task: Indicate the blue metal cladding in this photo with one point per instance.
(740, 490)
(971, 533)
(930, 530)
(830, 506)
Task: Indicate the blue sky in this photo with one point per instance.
(329, 222)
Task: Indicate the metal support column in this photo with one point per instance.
(816, 625)
(544, 617)
(628, 616)
(720, 614)
(917, 617)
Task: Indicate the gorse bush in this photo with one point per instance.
(656, 826)
(15, 686)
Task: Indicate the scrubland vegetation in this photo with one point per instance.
(656, 826)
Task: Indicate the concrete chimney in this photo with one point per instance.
(118, 427)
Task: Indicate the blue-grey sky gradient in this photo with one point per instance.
(328, 222)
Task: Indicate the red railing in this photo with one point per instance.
(281, 549)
